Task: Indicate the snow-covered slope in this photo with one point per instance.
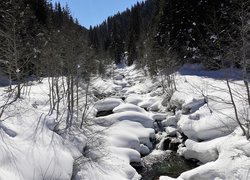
(207, 115)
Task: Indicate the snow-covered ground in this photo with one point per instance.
(30, 149)
(207, 115)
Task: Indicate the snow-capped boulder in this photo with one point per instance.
(107, 104)
(171, 131)
(159, 116)
(134, 99)
(129, 115)
(144, 150)
(155, 106)
(204, 151)
(128, 107)
(126, 133)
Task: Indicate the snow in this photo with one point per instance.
(107, 104)
(159, 116)
(231, 161)
(192, 104)
(205, 114)
(134, 99)
(170, 121)
(129, 115)
(103, 86)
(166, 178)
(171, 131)
(204, 151)
(128, 107)
(31, 149)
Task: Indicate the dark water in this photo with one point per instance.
(167, 164)
(103, 113)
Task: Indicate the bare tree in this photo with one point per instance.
(230, 47)
(17, 48)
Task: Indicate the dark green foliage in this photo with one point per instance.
(155, 31)
(159, 34)
(48, 41)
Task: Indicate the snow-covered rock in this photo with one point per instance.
(129, 115)
(159, 116)
(134, 99)
(129, 134)
(204, 151)
(144, 150)
(128, 107)
(171, 131)
(225, 158)
(107, 104)
(170, 121)
(208, 126)
(118, 77)
(155, 106)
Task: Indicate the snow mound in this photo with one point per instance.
(128, 107)
(130, 115)
(159, 116)
(155, 106)
(102, 86)
(107, 169)
(209, 126)
(107, 104)
(134, 99)
(135, 129)
(227, 158)
(204, 151)
(44, 158)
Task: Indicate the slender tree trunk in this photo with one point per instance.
(86, 105)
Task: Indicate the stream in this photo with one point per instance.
(163, 160)
(165, 164)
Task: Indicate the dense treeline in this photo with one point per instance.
(39, 40)
(161, 33)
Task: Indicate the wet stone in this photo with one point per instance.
(165, 164)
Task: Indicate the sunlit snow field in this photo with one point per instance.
(30, 149)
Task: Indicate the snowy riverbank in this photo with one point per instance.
(111, 143)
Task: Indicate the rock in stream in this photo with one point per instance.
(160, 163)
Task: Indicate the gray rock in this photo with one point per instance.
(144, 150)
(171, 121)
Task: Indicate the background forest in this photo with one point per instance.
(156, 33)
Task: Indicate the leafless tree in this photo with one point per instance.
(230, 47)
